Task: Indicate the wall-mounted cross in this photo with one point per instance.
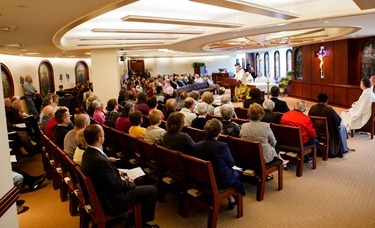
(321, 53)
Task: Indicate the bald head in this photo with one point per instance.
(49, 111)
(372, 80)
(81, 121)
(300, 106)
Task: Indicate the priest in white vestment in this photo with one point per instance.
(360, 112)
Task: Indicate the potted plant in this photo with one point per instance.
(199, 67)
(284, 81)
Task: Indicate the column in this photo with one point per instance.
(105, 73)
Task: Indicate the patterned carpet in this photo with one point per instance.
(339, 193)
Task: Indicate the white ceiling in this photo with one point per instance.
(51, 28)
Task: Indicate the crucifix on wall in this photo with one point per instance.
(321, 54)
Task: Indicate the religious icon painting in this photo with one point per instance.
(82, 72)
(7, 80)
(46, 78)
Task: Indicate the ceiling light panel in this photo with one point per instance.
(99, 30)
(177, 21)
(128, 38)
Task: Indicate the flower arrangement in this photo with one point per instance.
(242, 93)
(285, 80)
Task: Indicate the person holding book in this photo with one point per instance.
(116, 194)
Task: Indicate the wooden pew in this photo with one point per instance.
(289, 139)
(202, 188)
(249, 156)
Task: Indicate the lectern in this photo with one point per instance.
(232, 83)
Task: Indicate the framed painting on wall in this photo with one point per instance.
(46, 78)
(7, 80)
(82, 72)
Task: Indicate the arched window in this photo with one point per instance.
(46, 78)
(368, 58)
(289, 60)
(298, 62)
(266, 64)
(277, 64)
(257, 66)
(82, 72)
(7, 79)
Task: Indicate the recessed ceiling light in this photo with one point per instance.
(326, 22)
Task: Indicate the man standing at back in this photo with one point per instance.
(338, 134)
(30, 92)
(116, 194)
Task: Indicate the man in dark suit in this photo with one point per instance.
(116, 194)
(146, 74)
(280, 106)
(63, 126)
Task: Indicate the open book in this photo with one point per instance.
(133, 173)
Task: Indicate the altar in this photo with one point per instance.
(261, 85)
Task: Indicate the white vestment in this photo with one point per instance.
(360, 111)
(241, 76)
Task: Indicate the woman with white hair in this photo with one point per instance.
(269, 116)
(98, 113)
(229, 128)
(201, 120)
(225, 99)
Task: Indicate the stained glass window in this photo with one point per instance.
(277, 64)
(257, 66)
(289, 60)
(298, 62)
(266, 64)
(368, 58)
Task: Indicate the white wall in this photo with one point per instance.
(9, 219)
(182, 65)
(23, 66)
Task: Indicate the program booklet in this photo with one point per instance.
(133, 173)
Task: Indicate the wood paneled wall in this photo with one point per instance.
(342, 72)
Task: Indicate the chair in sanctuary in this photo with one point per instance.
(370, 125)
(289, 140)
(320, 125)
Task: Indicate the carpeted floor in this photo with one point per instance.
(339, 193)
